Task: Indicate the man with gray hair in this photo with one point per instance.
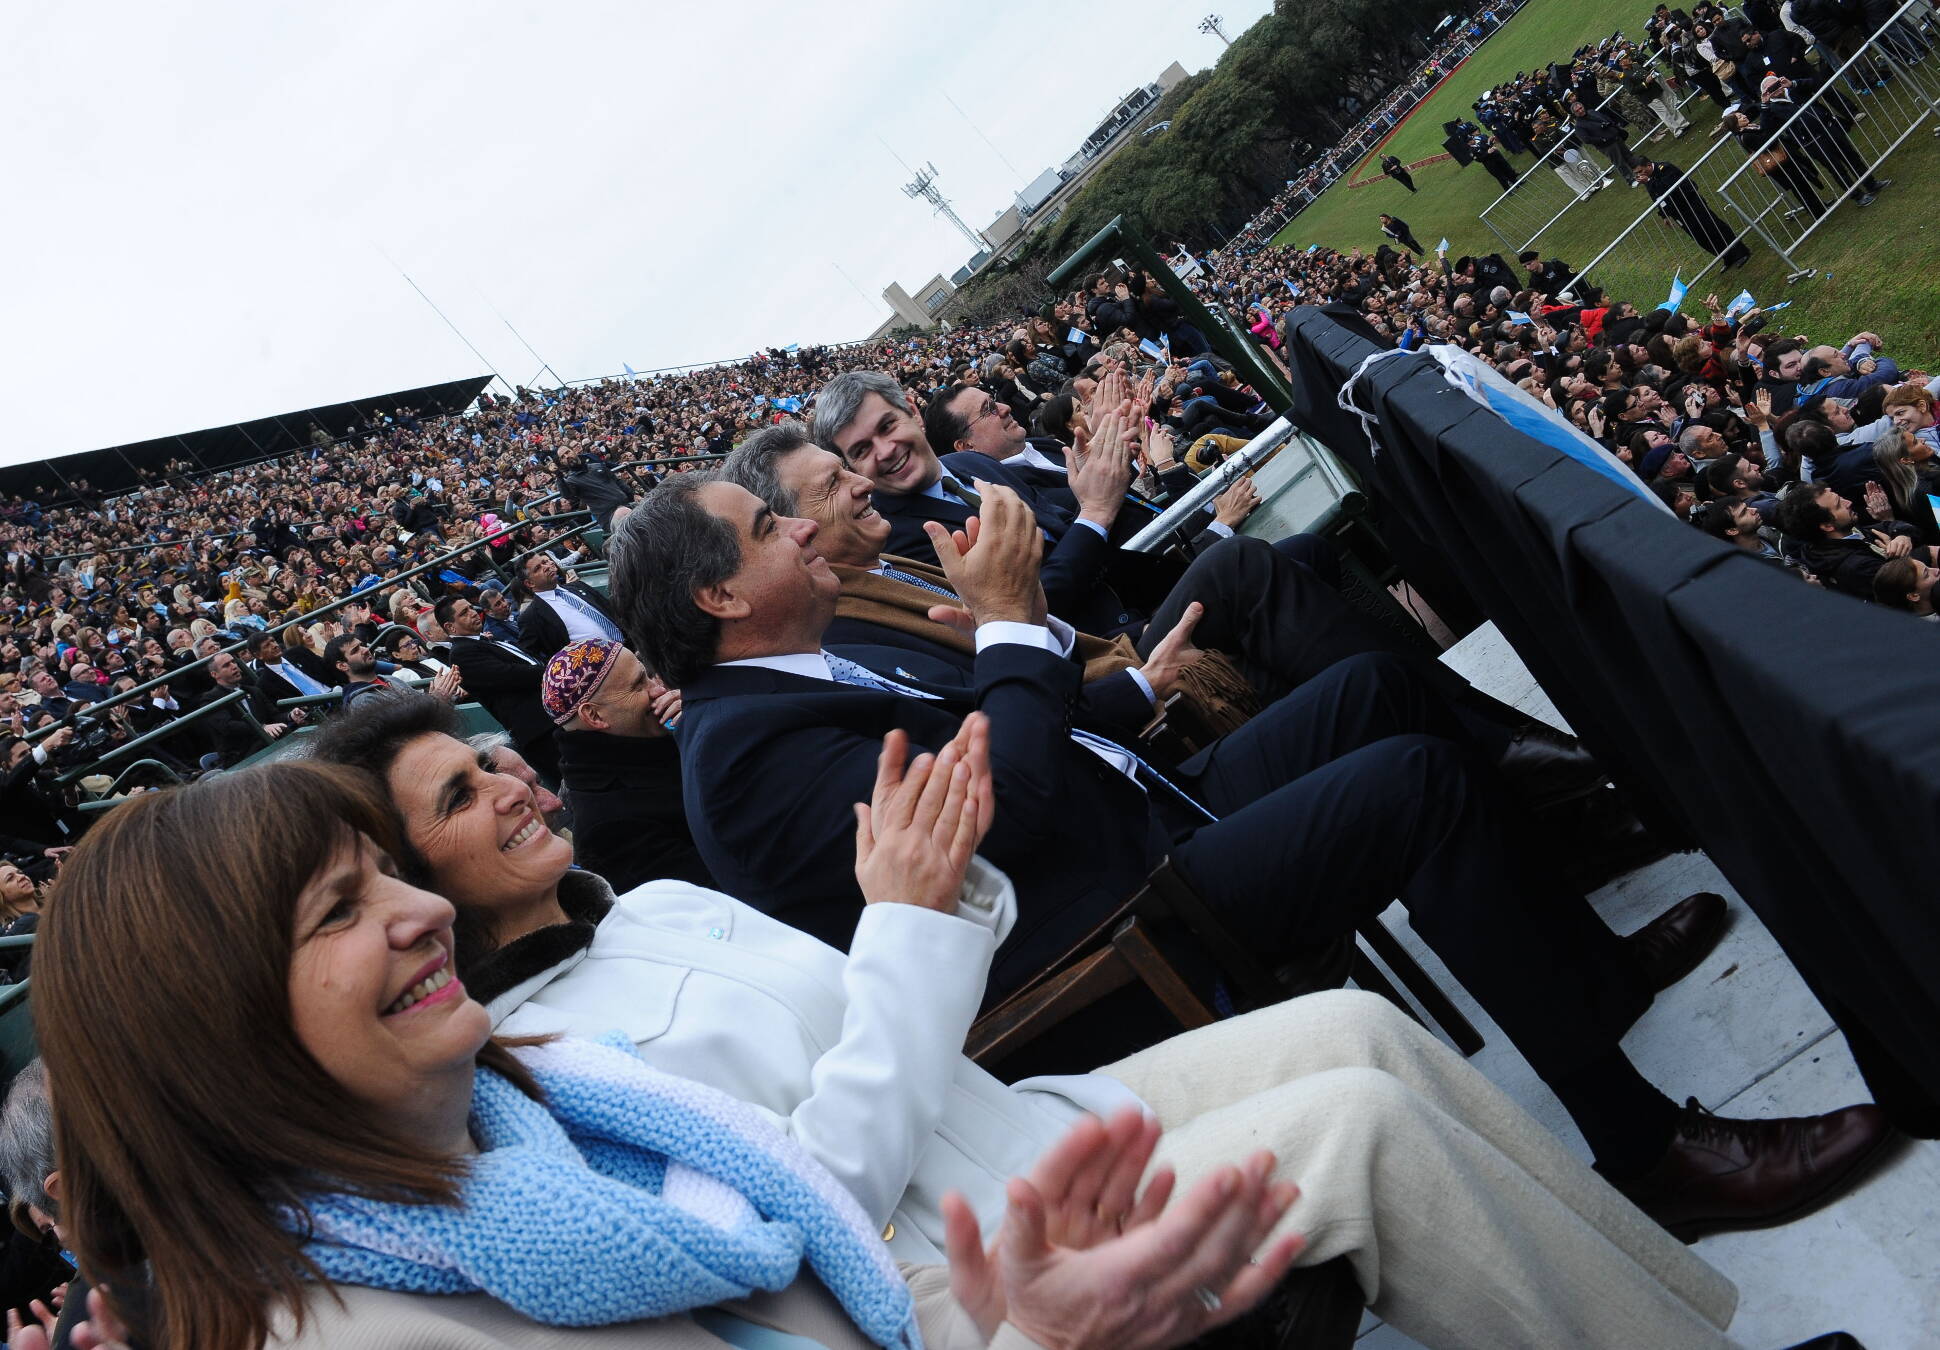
(1274, 609)
(1356, 788)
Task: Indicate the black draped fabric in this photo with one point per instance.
(1784, 728)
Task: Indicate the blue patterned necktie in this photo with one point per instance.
(845, 671)
(897, 574)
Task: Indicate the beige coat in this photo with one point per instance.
(377, 1319)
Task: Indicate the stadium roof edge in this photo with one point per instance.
(112, 468)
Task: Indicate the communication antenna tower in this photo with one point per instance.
(924, 186)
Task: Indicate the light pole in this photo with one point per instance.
(1211, 25)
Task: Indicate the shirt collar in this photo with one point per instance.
(813, 665)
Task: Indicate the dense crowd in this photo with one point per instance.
(659, 999)
(644, 1011)
(1723, 414)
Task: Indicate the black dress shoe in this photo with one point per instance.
(1546, 767)
(1671, 945)
(1832, 1340)
(1721, 1174)
(1595, 839)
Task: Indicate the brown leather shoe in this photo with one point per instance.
(1670, 946)
(1721, 1174)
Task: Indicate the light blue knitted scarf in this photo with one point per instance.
(629, 1194)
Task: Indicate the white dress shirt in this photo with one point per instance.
(576, 614)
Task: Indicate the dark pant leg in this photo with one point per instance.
(1319, 834)
(1315, 552)
(1280, 621)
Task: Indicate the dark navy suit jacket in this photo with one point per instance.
(1077, 557)
(773, 762)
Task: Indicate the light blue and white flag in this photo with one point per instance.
(1517, 316)
(791, 403)
(1739, 304)
(630, 371)
(1679, 287)
(1442, 247)
(1535, 419)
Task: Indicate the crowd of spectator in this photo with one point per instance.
(873, 721)
(630, 1011)
(1829, 444)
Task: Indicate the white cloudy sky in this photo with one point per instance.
(206, 197)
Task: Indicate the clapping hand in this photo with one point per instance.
(916, 835)
(1100, 479)
(1877, 506)
(101, 1330)
(1171, 1272)
(445, 685)
(992, 563)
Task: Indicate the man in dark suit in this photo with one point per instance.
(1264, 605)
(505, 679)
(1350, 791)
(866, 418)
(967, 419)
(560, 611)
(292, 672)
(230, 732)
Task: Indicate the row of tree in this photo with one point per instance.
(1240, 128)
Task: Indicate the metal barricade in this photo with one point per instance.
(1559, 182)
(1728, 210)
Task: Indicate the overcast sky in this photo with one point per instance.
(211, 202)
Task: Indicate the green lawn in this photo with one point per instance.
(1545, 31)
(1874, 263)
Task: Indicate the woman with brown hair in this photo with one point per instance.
(858, 1054)
(315, 1141)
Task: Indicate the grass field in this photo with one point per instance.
(1545, 31)
(1877, 266)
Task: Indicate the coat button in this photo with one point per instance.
(717, 933)
(889, 1232)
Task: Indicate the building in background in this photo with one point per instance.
(1040, 202)
(914, 311)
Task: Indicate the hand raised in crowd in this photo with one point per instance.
(1759, 411)
(993, 562)
(915, 837)
(1236, 503)
(1877, 506)
(1163, 1281)
(1173, 654)
(1100, 480)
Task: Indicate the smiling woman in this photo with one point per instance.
(314, 1141)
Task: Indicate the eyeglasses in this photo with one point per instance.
(990, 409)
